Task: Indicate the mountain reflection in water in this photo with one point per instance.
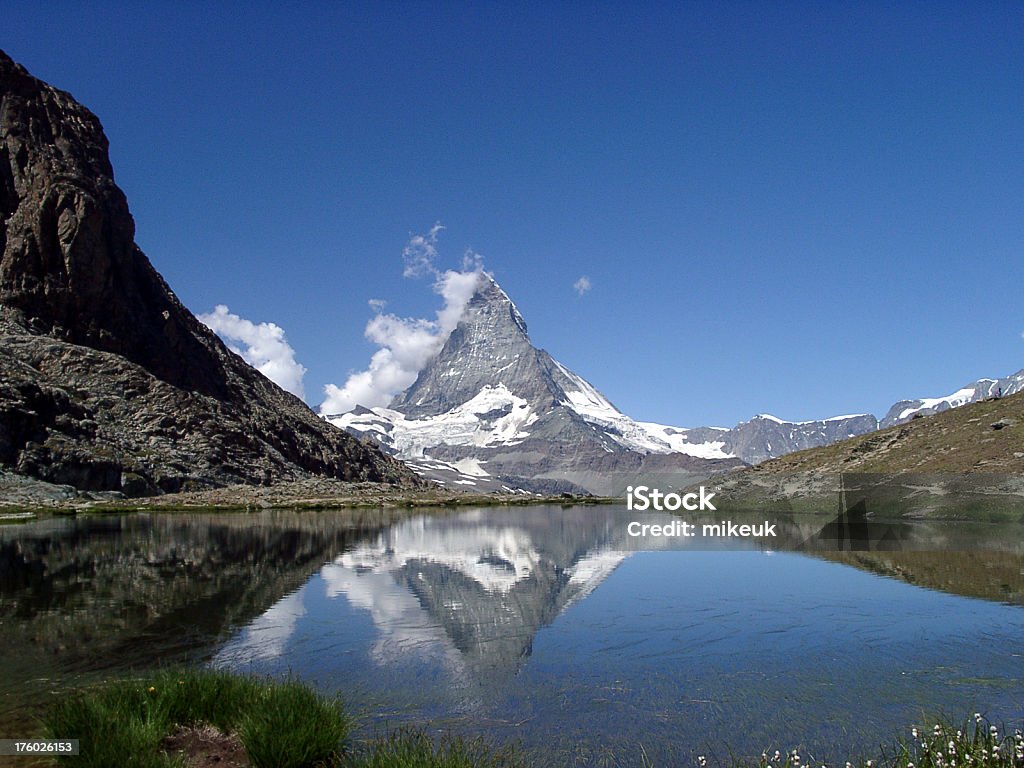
(473, 588)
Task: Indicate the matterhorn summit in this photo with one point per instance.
(494, 412)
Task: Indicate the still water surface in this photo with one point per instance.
(547, 626)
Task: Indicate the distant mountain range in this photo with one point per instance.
(982, 389)
(493, 412)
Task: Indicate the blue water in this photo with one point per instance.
(546, 628)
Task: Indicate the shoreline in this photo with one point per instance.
(23, 499)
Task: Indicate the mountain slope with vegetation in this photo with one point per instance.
(966, 462)
(987, 436)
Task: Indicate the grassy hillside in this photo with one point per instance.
(958, 440)
(966, 462)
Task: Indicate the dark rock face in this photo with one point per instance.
(491, 335)
(107, 382)
(70, 263)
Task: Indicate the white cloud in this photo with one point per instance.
(266, 348)
(407, 344)
(420, 253)
(582, 285)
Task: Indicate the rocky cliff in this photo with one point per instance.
(107, 382)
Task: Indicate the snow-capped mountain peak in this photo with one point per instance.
(491, 397)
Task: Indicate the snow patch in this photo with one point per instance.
(678, 442)
(497, 558)
(643, 437)
(470, 467)
(777, 420)
(958, 398)
(462, 425)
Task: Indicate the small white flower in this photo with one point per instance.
(993, 730)
(702, 761)
(913, 732)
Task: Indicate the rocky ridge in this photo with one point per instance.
(107, 382)
(982, 389)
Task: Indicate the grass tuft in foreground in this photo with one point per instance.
(293, 727)
(281, 724)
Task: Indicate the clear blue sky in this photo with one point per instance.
(800, 208)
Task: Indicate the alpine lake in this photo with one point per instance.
(546, 626)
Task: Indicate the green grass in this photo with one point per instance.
(116, 725)
(281, 724)
(293, 727)
(415, 749)
(976, 743)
